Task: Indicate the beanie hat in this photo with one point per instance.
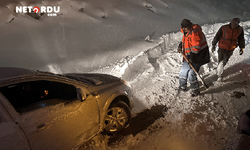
(236, 20)
(186, 23)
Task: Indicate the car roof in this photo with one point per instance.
(12, 72)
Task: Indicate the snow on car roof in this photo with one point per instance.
(11, 72)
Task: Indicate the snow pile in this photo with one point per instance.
(87, 34)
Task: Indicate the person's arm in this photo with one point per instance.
(241, 40)
(180, 45)
(196, 39)
(217, 37)
(179, 49)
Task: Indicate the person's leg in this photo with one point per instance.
(192, 77)
(220, 62)
(183, 75)
(223, 57)
(227, 55)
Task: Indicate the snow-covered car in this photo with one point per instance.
(41, 110)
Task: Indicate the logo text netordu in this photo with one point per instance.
(36, 9)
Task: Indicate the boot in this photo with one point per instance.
(182, 88)
(220, 79)
(195, 93)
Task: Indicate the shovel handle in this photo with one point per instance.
(194, 70)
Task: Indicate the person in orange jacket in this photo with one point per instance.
(229, 36)
(194, 47)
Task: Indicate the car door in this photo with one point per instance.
(11, 135)
(53, 121)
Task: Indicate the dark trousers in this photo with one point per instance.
(223, 57)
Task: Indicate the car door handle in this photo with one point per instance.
(39, 128)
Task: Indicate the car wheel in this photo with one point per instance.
(117, 117)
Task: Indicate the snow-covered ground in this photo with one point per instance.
(208, 121)
(109, 37)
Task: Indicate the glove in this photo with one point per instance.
(190, 61)
(179, 50)
(213, 49)
(241, 51)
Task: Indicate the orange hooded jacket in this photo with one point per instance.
(194, 45)
(194, 40)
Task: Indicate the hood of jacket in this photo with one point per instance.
(194, 27)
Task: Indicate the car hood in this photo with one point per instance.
(93, 78)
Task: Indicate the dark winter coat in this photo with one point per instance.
(244, 123)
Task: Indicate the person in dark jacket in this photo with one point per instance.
(194, 47)
(244, 123)
(229, 36)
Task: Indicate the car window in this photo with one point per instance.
(32, 95)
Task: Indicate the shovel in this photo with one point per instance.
(194, 70)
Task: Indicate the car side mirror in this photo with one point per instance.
(81, 96)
